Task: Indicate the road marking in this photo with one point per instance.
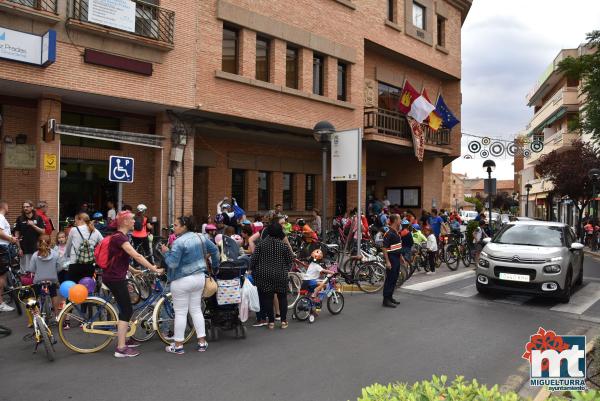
(467, 292)
(427, 285)
(514, 299)
(581, 300)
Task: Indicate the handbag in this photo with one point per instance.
(210, 284)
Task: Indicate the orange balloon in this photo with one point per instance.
(78, 293)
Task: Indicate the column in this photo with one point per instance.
(299, 188)
(162, 163)
(276, 189)
(277, 62)
(251, 190)
(330, 72)
(48, 177)
(305, 76)
(431, 187)
(187, 176)
(247, 52)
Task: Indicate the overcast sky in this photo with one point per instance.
(506, 46)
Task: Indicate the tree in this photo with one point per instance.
(568, 171)
(475, 201)
(586, 69)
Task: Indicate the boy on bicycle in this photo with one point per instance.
(311, 279)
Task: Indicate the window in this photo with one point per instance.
(405, 197)
(262, 59)
(342, 81)
(309, 192)
(288, 193)
(441, 31)
(419, 16)
(230, 50)
(391, 11)
(291, 68)
(263, 190)
(318, 67)
(90, 121)
(389, 96)
(238, 180)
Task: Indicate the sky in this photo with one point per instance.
(506, 46)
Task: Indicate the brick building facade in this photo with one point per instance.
(219, 98)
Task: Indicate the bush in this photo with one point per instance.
(471, 226)
(458, 390)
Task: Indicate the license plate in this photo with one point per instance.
(514, 277)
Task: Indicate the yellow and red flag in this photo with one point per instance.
(434, 120)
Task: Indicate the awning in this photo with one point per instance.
(550, 119)
(133, 138)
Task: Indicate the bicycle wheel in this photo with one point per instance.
(12, 284)
(164, 320)
(303, 308)
(78, 316)
(293, 293)
(46, 337)
(335, 302)
(144, 330)
(347, 268)
(466, 257)
(452, 257)
(370, 277)
(402, 276)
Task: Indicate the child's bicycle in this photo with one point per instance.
(40, 309)
(307, 308)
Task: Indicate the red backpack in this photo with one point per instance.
(101, 253)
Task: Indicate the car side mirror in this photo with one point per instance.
(576, 246)
(487, 240)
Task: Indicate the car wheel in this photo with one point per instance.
(565, 295)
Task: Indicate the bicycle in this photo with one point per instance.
(366, 271)
(41, 316)
(13, 281)
(459, 251)
(307, 308)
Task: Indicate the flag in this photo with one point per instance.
(418, 138)
(448, 118)
(420, 109)
(434, 120)
(407, 97)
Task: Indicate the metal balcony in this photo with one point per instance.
(151, 22)
(38, 5)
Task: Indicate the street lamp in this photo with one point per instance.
(527, 188)
(489, 166)
(322, 133)
(594, 174)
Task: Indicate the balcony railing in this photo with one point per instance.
(151, 21)
(39, 5)
(394, 124)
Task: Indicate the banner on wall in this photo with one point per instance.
(28, 48)
(118, 14)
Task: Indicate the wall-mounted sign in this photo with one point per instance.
(28, 48)
(50, 162)
(345, 148)
(118, 14)
(21, 157)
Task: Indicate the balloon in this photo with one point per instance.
(65, 287)
(89, 283)
(78, 293)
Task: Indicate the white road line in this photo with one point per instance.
(581, 300)
(514, 299)
(427, 285)
(467, 292)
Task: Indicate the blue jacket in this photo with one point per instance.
(187, 257)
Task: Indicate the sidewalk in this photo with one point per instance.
(588, 251)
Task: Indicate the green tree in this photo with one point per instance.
(586, 68)
(475, 201)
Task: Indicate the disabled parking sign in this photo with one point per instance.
(120, 169)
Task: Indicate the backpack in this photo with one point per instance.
(378, 222)
(101, 253)
(230, 249)
(138, 224)
(85, 253)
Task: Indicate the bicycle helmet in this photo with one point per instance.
(416, 226)
(210, 227)
(225, 206)
(317, 254)
(300, 222)
(219, 218)
(97, 216)
(405, 222)
(141, 208)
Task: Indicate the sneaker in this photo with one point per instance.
(126, 352)
(6, 308)
(131, 343)
(260, 323)
(174, 349)
(202, 347)
(277, 318)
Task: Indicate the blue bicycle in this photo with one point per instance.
(308, 308)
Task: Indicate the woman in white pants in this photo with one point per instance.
(186, 263)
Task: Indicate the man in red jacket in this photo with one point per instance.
(41, 210)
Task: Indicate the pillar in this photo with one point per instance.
(305, 64)
(277, 61)
(330, 72)
(247, 52)
(48, 177)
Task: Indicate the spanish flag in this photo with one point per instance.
(434, 119)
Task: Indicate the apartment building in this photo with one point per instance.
(219, 98)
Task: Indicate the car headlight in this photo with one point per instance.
(484, 263)
(552, 269)
(485, 255)
(556, 259)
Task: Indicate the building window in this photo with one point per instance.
(391, 10)
(318, 74)
(405, 197)
(230, 50)
(419, 16)
(291, 68)
(389, 96)
(89, 121)
(263, 190)
(441, 31)
(262, 59)
(309, 192)
(342, 81)
(238, 181)
(288, 192)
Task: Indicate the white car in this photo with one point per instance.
(468, 215)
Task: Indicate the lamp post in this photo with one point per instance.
(594, 174)
(514, 202)
(527, 188)
(489, 166)
(322, 133)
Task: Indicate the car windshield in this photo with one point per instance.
(534, 235)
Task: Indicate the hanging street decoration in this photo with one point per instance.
(484, 147)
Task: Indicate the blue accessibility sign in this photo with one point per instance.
(120, 169)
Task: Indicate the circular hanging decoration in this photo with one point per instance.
(484, 153)
(474, 147)
(526, 153)
(511, 149)
(497, 149)
(486, 141)
(468, 157)
(536, 146)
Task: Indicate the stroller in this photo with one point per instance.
(222, 309)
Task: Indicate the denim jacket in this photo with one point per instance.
(186, 256)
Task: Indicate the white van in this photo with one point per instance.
(468, 215)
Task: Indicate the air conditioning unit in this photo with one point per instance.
(146, 26)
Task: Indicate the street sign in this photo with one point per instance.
(489, 187)
(345, 155)
(120, 169)
(50, 162)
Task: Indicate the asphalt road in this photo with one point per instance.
(430, 333)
